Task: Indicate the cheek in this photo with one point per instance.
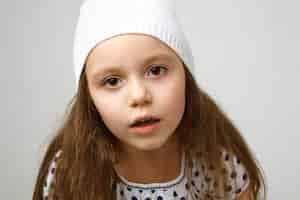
(109, 110)
(173, 98)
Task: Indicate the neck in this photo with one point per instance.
(159, 165)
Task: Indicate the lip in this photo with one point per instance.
(146, 129)
(141, 118)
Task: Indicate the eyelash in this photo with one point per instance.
(154, 67)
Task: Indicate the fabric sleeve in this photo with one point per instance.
(237, 176)
(49, 180)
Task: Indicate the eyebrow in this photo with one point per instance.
(115, 68)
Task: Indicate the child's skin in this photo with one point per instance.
(135, 89)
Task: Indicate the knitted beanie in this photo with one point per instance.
(100, 20)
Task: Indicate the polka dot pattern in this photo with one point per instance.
(49, 179)
(201, 186)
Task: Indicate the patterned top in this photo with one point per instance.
(201, 185)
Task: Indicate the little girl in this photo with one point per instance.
(139, 127)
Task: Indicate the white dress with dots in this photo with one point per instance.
(201, 185)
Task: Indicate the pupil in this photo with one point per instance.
(112, 81)
(155, 70)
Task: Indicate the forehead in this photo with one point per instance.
(128, 49)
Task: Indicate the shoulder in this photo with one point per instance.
(236, 176)
(49, 180)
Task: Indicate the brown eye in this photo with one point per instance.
(111, 81)
(156, 69)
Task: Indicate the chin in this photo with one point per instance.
(150, 145)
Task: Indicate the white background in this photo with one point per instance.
(247, 58)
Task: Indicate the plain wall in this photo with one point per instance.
(247, 58)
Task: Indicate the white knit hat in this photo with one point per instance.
(100, 20)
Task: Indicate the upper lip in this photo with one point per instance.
(141, 118)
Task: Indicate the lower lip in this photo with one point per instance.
(146, 129)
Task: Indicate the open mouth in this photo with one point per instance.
(145, 122)
(147, 127)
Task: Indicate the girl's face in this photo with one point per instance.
(133, 75)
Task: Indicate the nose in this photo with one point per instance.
(139, 94)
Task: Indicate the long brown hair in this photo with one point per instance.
(89, 149)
